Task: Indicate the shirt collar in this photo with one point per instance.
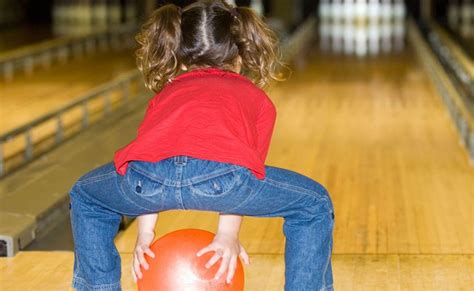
(209, 71)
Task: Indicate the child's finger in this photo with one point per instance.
(231, 270)
(149, 252)
(223, 267)
(244, 256)
(205, 250)
(213, 259)
(136, 267)
(142, 260)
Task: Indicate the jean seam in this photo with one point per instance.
(329, 257)
(296, 189)
(72, 192)
(192, 180)
(109, 286)
(95, 178)
(202, 178)
(199, 193)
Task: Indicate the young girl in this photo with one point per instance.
(202, 145)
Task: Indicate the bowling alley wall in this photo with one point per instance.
(12, 12)
(71, 17)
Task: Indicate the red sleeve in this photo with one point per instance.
(265, 125)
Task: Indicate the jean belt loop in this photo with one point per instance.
(180, 160)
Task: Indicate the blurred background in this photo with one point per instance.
(379, 108)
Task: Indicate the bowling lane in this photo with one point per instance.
(52, 271)
(28, 97)
(375, 132)
(378, 135)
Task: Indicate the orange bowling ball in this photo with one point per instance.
(177, 268)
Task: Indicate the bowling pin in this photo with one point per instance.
(399, 35)
(361, 12)
(386, 36)
(349, 38)
(374, 11)
(386, 11)
(336, 11)
(399, 10)
(361, 40)
(348, 13)
(337, 34)
(399, 25)
(374, 38)
(257, 5)
(324, 34)
(324, 10)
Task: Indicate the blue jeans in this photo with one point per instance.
(101, 197)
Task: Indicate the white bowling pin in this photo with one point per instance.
(374, 38)
(336, 11)
(348, 11)
(257, 5)
(349, 38)
(361, 40)
(324, 10)
(361, 11)
(325, 34)
(399, 10)
(399, 35)
(337, 34)
(386, 11)
(374, 11)
(386, 36)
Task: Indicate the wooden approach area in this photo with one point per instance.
(377, 135)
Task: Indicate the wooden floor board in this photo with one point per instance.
(48, 271)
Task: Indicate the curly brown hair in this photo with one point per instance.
(206, 34)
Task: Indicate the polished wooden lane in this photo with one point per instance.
(377, 135)
(28, 97)
(51, 271)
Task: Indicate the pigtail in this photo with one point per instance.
(159, 42)
(258, 46)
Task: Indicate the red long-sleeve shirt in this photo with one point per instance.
(208, 114)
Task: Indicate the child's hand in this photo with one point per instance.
(228, 248)
(141, 247)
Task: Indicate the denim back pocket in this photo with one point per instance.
(138, 183)
(217, 185)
